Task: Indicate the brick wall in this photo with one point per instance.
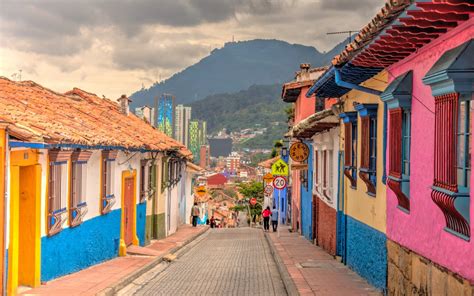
(412, 274)
(326, 227)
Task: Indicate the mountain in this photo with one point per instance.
(259, 106)
(234, 67)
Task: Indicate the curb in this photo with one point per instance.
(122, 283)
(288, 282)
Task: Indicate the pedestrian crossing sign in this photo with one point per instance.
(280, 168)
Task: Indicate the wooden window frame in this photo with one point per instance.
(78, 204)
(57, 212)
(350, 147)
(107, 201)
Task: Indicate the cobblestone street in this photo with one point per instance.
(225, 262)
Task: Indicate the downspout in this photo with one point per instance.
(384, 175)
(339, 82)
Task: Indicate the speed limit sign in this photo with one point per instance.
(268, 190)
(279, 182)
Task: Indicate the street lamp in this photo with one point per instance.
(284, 151)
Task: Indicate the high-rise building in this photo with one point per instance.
(181, 128)
(197, 137)
(165, 114)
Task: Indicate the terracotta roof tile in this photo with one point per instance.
(36, 114)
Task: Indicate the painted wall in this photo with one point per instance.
(326, 227)
(307, 200)
(141, 222)
(424, 225)
(94, 241)
(358, 204)
(304, 106)
(367, 252)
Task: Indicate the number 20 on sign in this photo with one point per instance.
(279, 182)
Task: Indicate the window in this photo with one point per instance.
(406, 143)
(463, 165)
(368, 161)
(108, 176)
(57, 190)
(350, 147)
(146, 180)
(78, 186)
(316, 171)
(327, 174)
(398, 97)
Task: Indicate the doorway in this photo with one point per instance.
(128, 210)
(25, 208)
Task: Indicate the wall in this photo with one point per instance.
(94, 241)
(367, 252)
(304, 106)
(141, 222)
(326, 227)
(307, 200)
(365, 215)
(408, 271)
(424, 225)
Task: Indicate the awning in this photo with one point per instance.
(316, 123)
(398, 93)
(453, 71)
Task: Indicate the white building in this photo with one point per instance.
(181, 129)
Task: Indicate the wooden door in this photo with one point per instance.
(128, 210)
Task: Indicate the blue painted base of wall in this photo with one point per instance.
(307, 200)
(367, 252)
(341, 234)
(94, 241)
(141, 222)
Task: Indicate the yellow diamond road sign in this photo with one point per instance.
(280, 168)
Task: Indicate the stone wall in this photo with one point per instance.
(326, 227)
(412, 274)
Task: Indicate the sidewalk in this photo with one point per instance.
(312, 271)
(99, 277)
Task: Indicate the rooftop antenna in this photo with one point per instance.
(343, 32)
(20, 73)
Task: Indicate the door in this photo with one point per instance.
(128, 210)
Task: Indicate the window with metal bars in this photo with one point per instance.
(327, 174)
(463, 165)
(368, 141)
(406, 143)
(57, 190)
(316, 181)
(146, 180)
(108, 181)
(78, 192)
(350, 146)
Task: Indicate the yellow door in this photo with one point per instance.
(25, 247)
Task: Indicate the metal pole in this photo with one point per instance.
(278, 218)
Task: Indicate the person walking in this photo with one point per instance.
(266, 219)
(213, 222)
(195, 213)
(274, 219)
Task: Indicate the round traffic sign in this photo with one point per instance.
(299, 151)
(268, 190)
(279, 182)
(253, 201)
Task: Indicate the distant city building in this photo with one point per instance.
(182, 120)
(233, 163)
(220, 146)
(165, 114)
(204, 156)
(197, 137)
(147, 113)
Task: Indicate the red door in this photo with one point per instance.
(128, 209)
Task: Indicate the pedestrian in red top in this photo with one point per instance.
(266, 219)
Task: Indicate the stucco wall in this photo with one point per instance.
(73, 249)
(141, 222)
(367, 252)
(304, 106)
(422, 229)
(358, 204)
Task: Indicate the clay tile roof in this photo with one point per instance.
(267, 164)
(34, 113)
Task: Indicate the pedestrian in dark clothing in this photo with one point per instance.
(274, 219)
(213, 222)
(266, 219)
(195, 214)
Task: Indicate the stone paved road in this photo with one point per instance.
(226, 262)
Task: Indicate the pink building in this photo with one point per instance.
(429, 204)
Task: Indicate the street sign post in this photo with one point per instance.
(279, 182)
(268, 191)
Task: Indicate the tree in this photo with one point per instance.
(250, 190)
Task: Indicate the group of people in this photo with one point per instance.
(267, 214)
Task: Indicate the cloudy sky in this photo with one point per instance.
(111, 47)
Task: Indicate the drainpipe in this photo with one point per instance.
(384, 175)
(345, 84)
